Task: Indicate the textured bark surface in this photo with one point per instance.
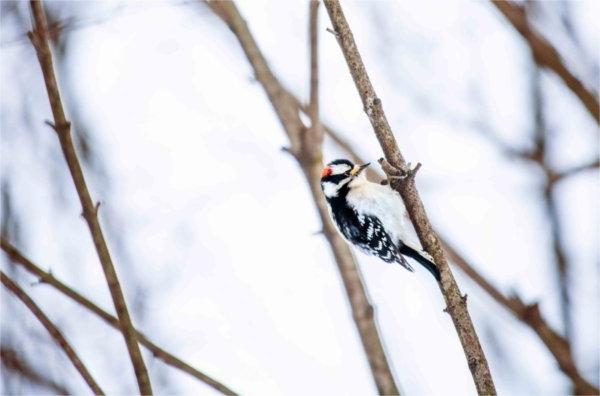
(456, 303)
(39, 39)
(53, 330)
(307, 152)
(47, 278)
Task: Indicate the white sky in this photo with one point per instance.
(218, 222)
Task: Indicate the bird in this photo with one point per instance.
(370, 216)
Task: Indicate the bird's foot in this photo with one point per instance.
(396, 174)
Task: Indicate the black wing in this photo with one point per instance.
(367, 233)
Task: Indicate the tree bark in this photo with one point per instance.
(307, 151)
(456, 302)
(39, 39)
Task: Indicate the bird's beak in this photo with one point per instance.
(359, 168)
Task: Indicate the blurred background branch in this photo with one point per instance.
(14, 364)
(546, 55)
(53, 330)
(305, 148)
(47, 278)
(181, 162)
(530, 314)
(62, 127)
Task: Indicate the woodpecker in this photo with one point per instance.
(369, 215)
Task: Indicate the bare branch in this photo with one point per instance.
(313, 38)
(314, 135)
(456, 304)
(546, 55)
(557, 345)
(45, 277)
(53, 330)
(539, 155)
(559, 176)
(530, 314)
(12, 362)
(288, 108)
(560, 256)
(39, 39)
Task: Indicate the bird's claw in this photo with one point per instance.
(397, 174)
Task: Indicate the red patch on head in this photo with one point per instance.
(325, 172)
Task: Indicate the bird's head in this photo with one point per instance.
(338, 174)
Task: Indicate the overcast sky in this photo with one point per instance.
(212, 226)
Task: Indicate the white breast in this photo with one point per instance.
(379, 201)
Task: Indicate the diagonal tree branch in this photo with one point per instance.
(12, 362)
(53, 330)
(559, 176)
(556, 348)
(529, 314)
(456, 303)
(18, 258)
(309, 158)
(546, 55)
(39, 39)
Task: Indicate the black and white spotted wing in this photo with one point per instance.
(367, 233)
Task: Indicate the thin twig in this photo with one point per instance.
(288, 108)
(547, 56)
(559, 176)
(53, 330)
(39, 39)
(539, 156)
(529, 155)
(12, 362)
(47, 278)
(313, 39)
(314, 134)
(456, 304)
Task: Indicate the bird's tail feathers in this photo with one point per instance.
(421, 258)
(402, 261)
